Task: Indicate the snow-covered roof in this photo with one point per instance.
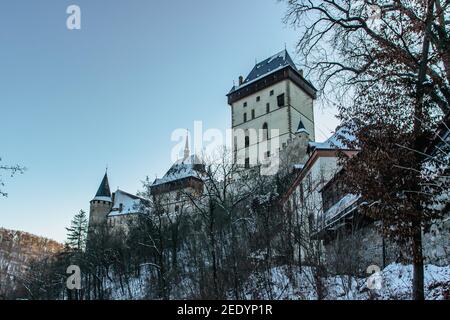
(340, 206)
(102, 198)
(276, 62)
(183, 168)
(334, 142)
(301, 128)
(125, 203)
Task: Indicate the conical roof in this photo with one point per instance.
(103, 192)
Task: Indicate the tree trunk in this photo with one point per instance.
(418, 290)
(214, 258)
(418, 277)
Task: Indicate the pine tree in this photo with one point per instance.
(77, 233)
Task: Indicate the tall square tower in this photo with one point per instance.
(267, 108)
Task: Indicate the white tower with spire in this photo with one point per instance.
(187, 152)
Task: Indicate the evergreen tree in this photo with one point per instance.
(77, 233)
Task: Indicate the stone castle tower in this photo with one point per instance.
(274, 95)
(101, 205)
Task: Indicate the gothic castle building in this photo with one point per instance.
(272, 117)
(273, 108)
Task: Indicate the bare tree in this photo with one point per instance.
(11, 170)
(354, 46)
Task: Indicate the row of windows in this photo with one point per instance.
(280, 103)
(265, 129)
(247, 160)
(258, 98)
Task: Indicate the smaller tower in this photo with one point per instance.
(187, 152)
(302, 132)
(101, 204)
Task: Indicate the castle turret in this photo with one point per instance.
(101, 204)
(302, 132)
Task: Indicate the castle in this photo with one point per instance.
(272, 119)
(272, 107)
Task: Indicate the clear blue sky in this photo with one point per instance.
(113, 92)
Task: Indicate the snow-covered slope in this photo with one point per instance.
(395, 284)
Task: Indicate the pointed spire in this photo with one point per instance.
(103, 191)
(301, 128)
(187, 152)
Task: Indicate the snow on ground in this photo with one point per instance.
(283, 283)
(395, 281)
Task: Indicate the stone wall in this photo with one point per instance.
(357, 250)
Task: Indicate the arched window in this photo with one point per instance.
(265, 128)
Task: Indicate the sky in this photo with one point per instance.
(73, 102)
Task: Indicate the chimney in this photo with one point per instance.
(241, 80)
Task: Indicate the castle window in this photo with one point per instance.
(267, 107)
(280, 100)
(258, 98)
(247, 141)
(247, 163)
(253, 113)
(245, 104)
(245, 117)
(265, 128)
(271, 92)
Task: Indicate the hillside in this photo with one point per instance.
(17, 250)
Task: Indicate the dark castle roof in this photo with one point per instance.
(278, 61)
(301, 126)
(265, 73)
(103, 190)
(260, 70)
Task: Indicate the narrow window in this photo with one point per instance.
(253, 113)
(280, 100)
(258, 98)
(267, 107)
(265, 128)
(245, 117)
(247, 163)
(271, 92)
(245, 104)
(247, 141)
